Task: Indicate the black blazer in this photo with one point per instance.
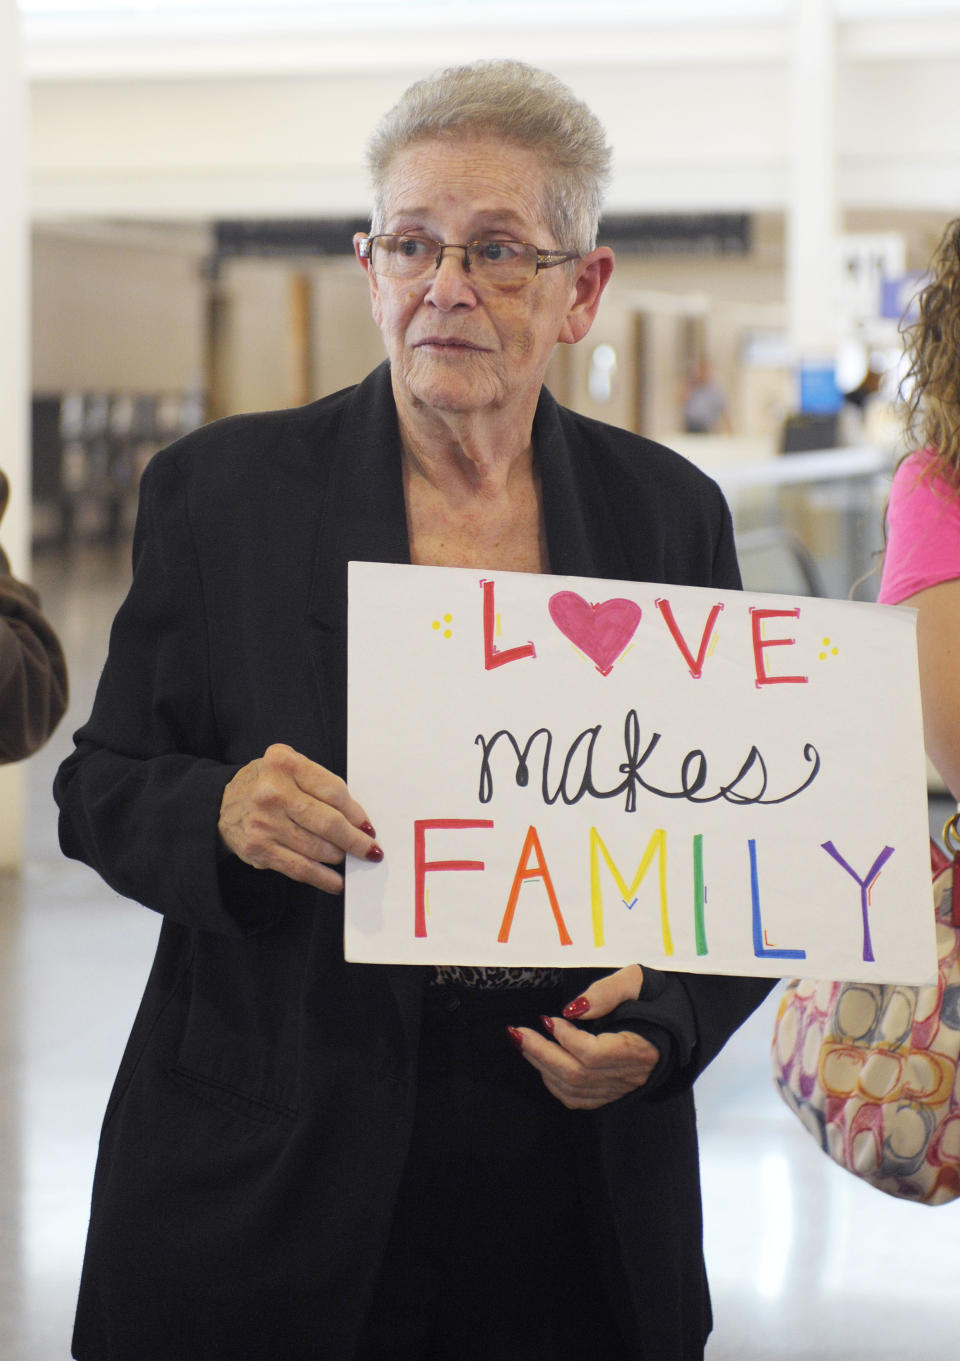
(256, 1133)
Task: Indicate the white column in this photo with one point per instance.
(813, 214)
(14, 364)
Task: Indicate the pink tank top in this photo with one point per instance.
(923, 531)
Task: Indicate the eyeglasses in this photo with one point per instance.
(490, 260)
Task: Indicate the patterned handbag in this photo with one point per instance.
(872, 1070)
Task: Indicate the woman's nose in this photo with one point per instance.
(450, 284)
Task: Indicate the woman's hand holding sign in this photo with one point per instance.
(286, 813)
(586, 1071)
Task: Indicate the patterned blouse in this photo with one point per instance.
(471, 977)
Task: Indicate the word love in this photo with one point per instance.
(603, 632)
(532, 865)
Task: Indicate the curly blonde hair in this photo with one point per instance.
(931, 385)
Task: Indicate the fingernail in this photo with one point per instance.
(375, 854)
(576, 1008)
(516, 1039)
(365, 827)
(547, 1023)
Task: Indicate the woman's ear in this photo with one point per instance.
(591, 278)
(358, 239)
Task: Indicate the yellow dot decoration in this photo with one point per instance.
(828, 651)
(437, 626)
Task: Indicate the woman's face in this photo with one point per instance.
(454, 345)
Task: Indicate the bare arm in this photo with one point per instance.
(938, 646)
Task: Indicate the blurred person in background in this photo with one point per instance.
(33, 672)
(704, 404)
(310, 1160)
(921, 565)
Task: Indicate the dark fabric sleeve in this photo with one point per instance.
(140, 796)
(726, 569)
(688, 1018)
(33, 672)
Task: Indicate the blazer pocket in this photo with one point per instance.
(242, 1039)
(251, 1108)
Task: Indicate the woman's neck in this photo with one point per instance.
(465, 455)
(473, 503)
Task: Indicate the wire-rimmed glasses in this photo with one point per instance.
(492, 260)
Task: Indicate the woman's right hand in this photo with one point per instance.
(284, 812)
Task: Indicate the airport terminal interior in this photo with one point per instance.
(192, 178)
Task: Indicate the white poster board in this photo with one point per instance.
(563, 771)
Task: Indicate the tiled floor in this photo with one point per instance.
(806, 1264)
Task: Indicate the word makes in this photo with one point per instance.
(532, 864)
(576, 777)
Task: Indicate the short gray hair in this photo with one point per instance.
(519, 104)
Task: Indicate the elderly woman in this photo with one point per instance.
(304, 1158)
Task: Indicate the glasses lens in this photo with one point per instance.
(503, 263)
(492, 261)
(403, 257)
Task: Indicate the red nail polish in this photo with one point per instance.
(516, 1039)
(576, 1008)
(365, 827)
(547, 1023)
(375, 854)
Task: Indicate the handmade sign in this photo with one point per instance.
(565, 771)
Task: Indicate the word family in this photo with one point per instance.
(532, 865)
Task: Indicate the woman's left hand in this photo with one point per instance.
(582, 1070)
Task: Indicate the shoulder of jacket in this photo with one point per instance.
(240, 443)
(635, 457)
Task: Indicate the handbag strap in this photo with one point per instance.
(951, 833)
(951, 839)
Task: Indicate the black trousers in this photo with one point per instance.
(489, 1254)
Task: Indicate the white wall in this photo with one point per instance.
(117, 310)
(13, 363)
(274, 124)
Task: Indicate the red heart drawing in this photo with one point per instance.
(601, 631)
